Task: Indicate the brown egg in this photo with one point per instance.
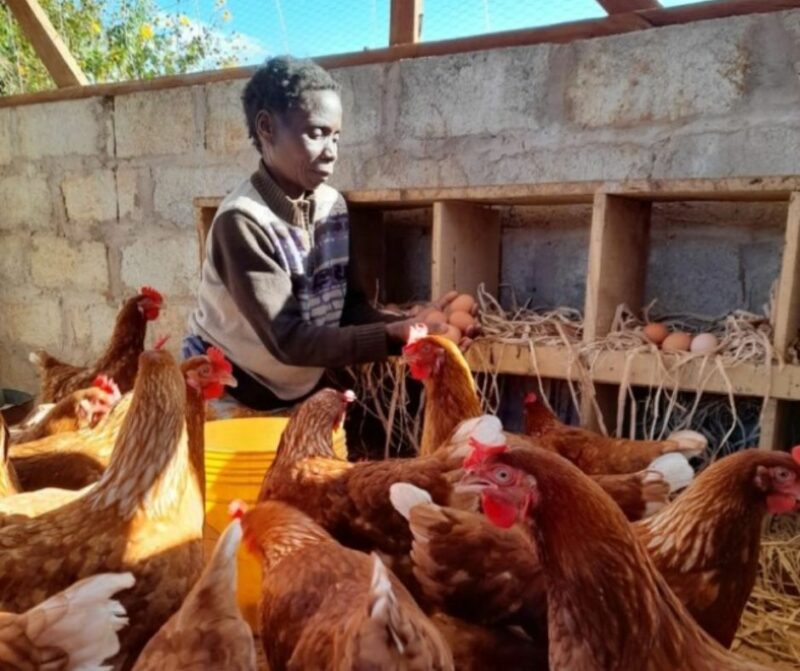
(461, 320)
(677, 342)
(704, 343)
(463, 303)
(453, 334)
(434, 317)
(655, 332)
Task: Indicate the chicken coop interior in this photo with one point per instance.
(573, 442)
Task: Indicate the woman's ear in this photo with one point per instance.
(265, 127)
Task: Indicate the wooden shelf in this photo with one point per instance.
(465, 246)
(645, 370)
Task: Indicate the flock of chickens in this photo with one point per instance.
(554, 549)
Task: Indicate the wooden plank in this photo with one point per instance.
(621, 6)
(47, 43)
(645, 370)
(561, 33)
(405, 22)
(715, 9)
(368, 245)
(748, 189)
(618, 249)
(465, 248)
(787, 305)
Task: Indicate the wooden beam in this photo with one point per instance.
(405, 22)
(643, 370)
(465, 248)
(618, 249)
(621, 6)
(47, 43)
(787, 304)
(715, 9)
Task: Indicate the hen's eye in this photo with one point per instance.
(782, 474)
(502, 475)
(205, 370)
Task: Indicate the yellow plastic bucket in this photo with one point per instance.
(237, 454)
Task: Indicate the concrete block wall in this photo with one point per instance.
(97, 193)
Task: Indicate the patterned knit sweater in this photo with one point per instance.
(278, 293)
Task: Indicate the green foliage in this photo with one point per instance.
(129, 39)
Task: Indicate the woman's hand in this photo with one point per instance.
(399, 331)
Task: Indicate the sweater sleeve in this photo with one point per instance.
(245, 260)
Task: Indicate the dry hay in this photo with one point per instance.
(770, 626)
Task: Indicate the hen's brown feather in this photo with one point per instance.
(608, 606)
(144, 516)
(119, 360)
(321, 607)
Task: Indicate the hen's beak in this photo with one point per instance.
(228, 380)
(473, 482)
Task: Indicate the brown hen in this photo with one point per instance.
(120, 359)
(608, 606)
(144, 516)
(330, 608)
(208, 632)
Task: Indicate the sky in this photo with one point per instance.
(322, 27)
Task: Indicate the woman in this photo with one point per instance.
(278, 292)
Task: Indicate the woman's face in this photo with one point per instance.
(300, 146)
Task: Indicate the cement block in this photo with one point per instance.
(91, 197)
(660, 75)
(6, 135)
(226, 128)
(752, 150)
(363, 92)
(176, 188)
(14, 259)
(16, 372)
(57, 262)
(62, 128)
(33, 319)
(27, 203)
(699, 275)
(129, 196)
(484, 93)
(90, 321)
(155, 122)
(170, 264)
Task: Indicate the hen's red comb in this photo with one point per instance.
(218, 359)
(159, 344)
(151, 293)
(237, 509)
(531, 398)
(481, 453)
(796, 454)
(108, 385)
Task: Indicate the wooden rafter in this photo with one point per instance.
(47, 43)
(622, 6)
(405, 22)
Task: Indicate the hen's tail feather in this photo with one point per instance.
(383, 605)
(673, 468)
(83, 620)
(691, 443)
(405, 496)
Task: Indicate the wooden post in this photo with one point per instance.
(405, 23)
(618, 249)
(465, 248)
(47, 43)
(786, 322)
(622, 6)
